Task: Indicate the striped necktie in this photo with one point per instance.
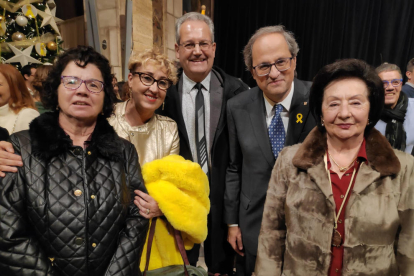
(200, 131)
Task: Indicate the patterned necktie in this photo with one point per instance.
(200, 131)
(277, 131)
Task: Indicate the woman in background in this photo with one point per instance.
(39, 77)
(17, 108)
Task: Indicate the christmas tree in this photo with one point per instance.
(28, 32)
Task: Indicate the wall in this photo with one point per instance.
(108, 14)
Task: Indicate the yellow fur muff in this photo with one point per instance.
(181, 190)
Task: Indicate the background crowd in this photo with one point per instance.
(293, 177)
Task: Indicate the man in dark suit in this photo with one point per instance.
(408, 87)
(195, 49)
(261, 121)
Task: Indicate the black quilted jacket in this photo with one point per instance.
(70, 211)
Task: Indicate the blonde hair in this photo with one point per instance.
(153, 55)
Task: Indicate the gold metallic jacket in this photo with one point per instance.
(153, 140)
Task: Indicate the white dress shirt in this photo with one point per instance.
(270, 112)
(189, 94)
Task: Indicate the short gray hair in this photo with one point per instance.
(193, 16)
(289, 37)
(386, 67)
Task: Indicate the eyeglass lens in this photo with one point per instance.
(281, 65)
(202, 44)
(94, 86)
(394, 82)
(149, 80)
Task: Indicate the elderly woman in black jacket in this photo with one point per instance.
(69, 210)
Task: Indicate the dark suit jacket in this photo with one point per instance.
(408, 90)
(219, 154)
(4, 134)
(251, 157)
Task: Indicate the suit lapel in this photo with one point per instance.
(216, 104)
(256, 110)
(365, 177)
(298, 113)
(320, 177)
(229, 91)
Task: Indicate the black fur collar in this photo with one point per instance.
(48, 138)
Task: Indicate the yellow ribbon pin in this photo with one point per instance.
(29, 12)
(299, 117)
(42, 49)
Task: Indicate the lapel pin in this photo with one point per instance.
(299, 117)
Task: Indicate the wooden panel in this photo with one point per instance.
(73, 32)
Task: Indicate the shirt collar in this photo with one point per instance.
(187, 82)
(361, 156)
(286, 103)
(410, 84)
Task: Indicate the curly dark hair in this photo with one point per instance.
(344, 69)
(82, 55)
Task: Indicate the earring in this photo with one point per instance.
(57, 107)
(368, 122)
(322, 122)
(163, 103)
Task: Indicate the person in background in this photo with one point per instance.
(116, 89)
(17, 108)
(28, 73)
(69, 210)
(397, 118)
(39, 77)
(261, 121)
(125, 92)
(408, 87)
(120, 85)
(340, 203)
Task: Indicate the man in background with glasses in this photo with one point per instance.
(261, 122)
(397, 118)
(408, 87)
(198, 104)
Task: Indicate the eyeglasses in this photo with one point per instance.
(73, 83)
(281, 65)
(204, 45)
(394, 82)
(148, 80)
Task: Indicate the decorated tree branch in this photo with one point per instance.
(29, 32)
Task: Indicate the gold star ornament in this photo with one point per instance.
(49, 19)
